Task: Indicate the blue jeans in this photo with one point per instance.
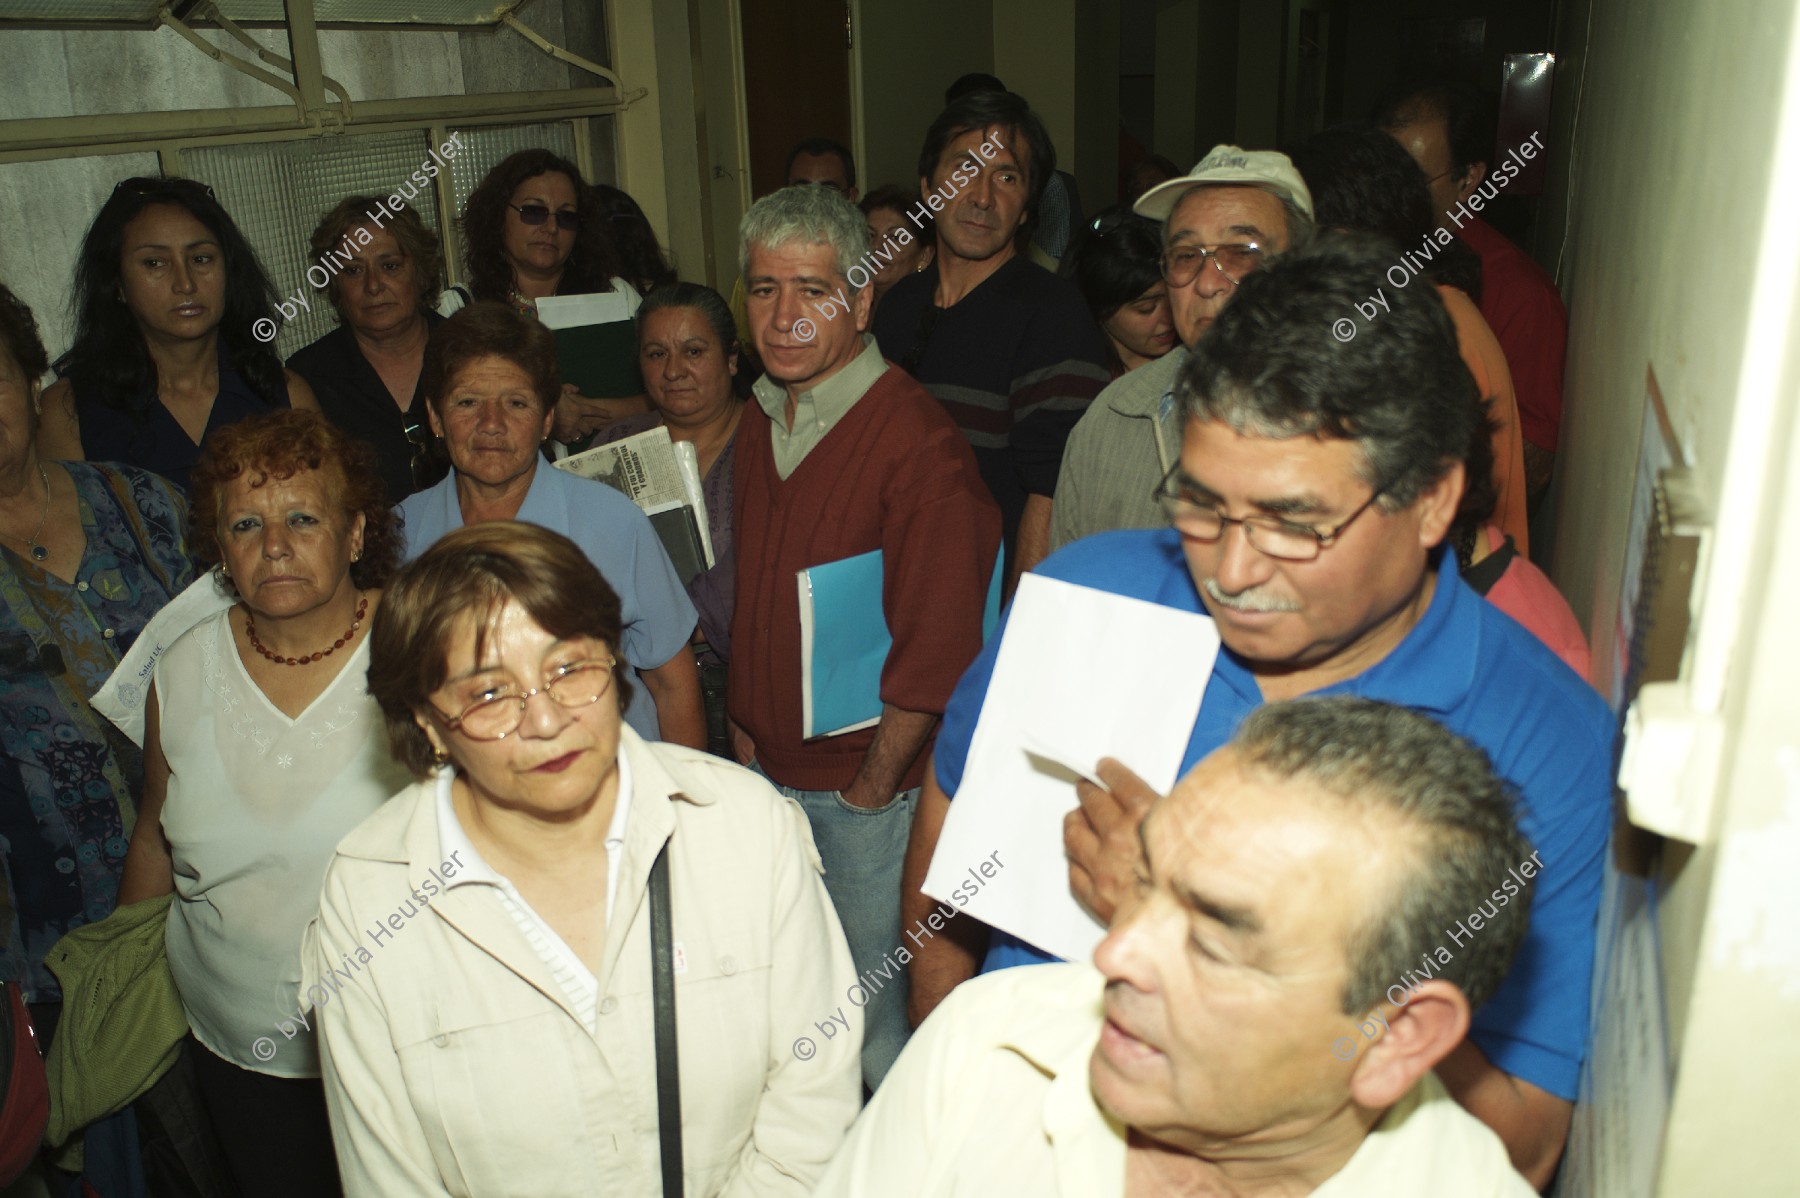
(863, 850)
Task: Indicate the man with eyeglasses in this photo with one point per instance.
(1316, 481)
(1237, 210)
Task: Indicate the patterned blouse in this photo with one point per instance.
(69, 780)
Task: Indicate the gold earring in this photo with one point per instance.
(224, 574)
(439, 758)
(357, 556)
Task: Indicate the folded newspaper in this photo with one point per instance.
(661, 476)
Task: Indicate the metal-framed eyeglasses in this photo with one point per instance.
(1235, 259)
(536, 214)
(498, 714)
(1269, 535)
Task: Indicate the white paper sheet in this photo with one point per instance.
(122, 697)
(1081, 675)
(597, 307)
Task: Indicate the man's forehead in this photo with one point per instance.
(1426, 136)
(1009, 147)
(1233, 835)
(793, 259)
(1216, 211)
(813, 167)
(1217, 455)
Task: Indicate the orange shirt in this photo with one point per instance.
(1487, 362)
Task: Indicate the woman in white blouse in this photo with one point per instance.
(482, 965)
(262, 748)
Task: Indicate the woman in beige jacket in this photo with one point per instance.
(480, 971)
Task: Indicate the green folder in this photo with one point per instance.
(601, 360)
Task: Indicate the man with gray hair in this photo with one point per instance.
(1235, 211)
(845, 456)
(1319, 906)
(1319, 474)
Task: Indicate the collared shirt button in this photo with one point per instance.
(727, 965)
(106, 633)
(82, 585)
(608, 1005)
(441, 1040)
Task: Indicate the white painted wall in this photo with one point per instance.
(1676, 155)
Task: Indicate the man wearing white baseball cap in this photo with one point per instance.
(1236, 210)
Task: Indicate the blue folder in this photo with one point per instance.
(844, 642)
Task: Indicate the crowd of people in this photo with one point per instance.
(482, 851)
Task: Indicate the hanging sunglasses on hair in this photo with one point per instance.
(537, 214)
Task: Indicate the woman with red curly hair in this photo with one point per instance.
(262, 749)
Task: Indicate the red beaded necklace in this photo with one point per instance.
(362, 609)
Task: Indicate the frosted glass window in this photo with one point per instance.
(372, 12)
(468, 13)
(81, 10)
(489, 144)
(278, 192)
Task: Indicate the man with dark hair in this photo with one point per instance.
(825, 163)
(1236, 210)
(1057, 213)
(1317, 479)
(1008, 348)
(1321, 903)
(1448, 128)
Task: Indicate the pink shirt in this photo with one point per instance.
(1526, 593)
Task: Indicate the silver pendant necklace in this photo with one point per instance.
(38, 552)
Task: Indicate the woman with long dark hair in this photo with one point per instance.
(641, 259)
(167, 295)
(534, 228)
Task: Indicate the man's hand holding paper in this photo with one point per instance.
(1101, 837)
(1068, 689)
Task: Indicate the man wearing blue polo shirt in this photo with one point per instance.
(1318, 476)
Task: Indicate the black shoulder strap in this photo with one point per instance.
(662, 985)
(1485, 573)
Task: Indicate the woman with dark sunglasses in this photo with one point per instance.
(533, 228)
(167, 294)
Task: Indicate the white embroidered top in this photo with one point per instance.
(257, 802)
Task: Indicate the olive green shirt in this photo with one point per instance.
(1119, 451)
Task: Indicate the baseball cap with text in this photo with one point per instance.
(1266, 169)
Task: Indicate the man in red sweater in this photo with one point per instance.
(1448, 128)
(843, 454)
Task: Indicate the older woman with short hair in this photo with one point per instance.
(368, 372)
(688, 354)
(262, 749)
(492, 386)
(482, 962)
(88, 553)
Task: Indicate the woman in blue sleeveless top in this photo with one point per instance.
(169, 297)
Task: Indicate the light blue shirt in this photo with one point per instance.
(656, 618)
